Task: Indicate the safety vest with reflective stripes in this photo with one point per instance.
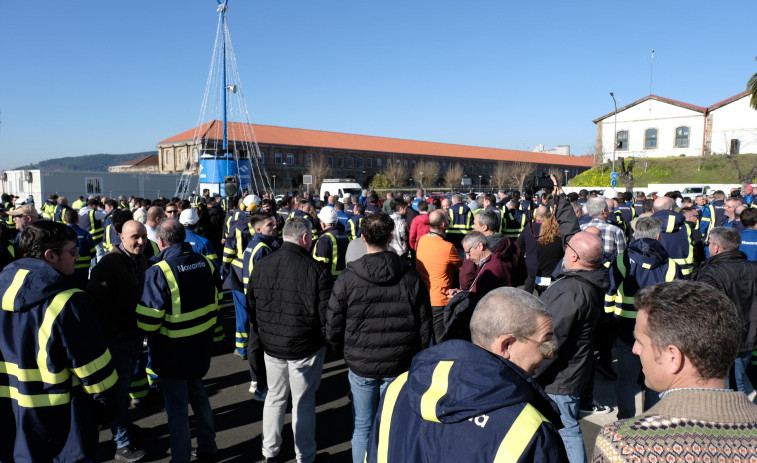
(681, 254)
(48, 209)
(355, 227)
(95, 227)
(511, 224)
(249, 263)
(460, 220)
(9, 220)
(712, 216)
(329, 254)
(182, 320)
(44, 384)
(621, 301)
(509, 450)
(78, 204)
(108, 236)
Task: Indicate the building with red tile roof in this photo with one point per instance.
(144, 164)
(655, 126)
(288, 152)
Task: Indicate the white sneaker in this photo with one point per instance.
(253, 387)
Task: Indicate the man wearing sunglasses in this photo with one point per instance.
(576, 301)
(476, 401)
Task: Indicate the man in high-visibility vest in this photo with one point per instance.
(178, 310)
(480, 393)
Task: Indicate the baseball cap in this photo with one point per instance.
(24, 210)
(749, 188)
(188, 217)
(328, 215)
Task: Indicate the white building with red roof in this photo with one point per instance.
(655, 126)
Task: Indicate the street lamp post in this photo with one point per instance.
(274, 183)
(479, 183)
(615, 142)
(566, 177)
(421, 185)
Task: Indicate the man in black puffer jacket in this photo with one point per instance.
(287, 295)
(729, 271)
(379, 315)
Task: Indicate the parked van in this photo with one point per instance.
(340, 187)
(695, 190)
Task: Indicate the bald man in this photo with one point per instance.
(154, 215)
(116, 283)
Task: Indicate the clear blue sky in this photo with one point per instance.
(117, 77)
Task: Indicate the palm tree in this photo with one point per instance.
(752, 87)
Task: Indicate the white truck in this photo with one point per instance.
(340, 187)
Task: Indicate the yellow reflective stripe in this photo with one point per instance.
(437, 389)
(242, 335)
(519, 435)
(242, 344)
(103, 385)
(625, 313)
(34, 401)
(94, 366)
(646, 265)
(237, 263)
(23, 374)
(187, 331)
(390, 399)
(670, 275)
(173, 286)
(9, 298)
(687, 271)
(212, 256)
(43, 337)
(150, 312)
(671, 224)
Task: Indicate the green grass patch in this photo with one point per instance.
(674, 169)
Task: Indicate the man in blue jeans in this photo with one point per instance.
(178, 310)
(576, 301)
(379, 316)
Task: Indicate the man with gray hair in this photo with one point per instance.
(729, 271)
(676, 235)
(613, 238)
(480, 393)
(645, 263)
(288, 294)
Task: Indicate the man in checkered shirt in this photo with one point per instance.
(613, 238)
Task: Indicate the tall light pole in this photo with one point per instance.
(479, 183)
(615, 129)
(421, 185)
(274, 183)
(566, 177)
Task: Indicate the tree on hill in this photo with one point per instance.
(625, 174)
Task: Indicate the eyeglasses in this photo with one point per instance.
(546, 348)
(171, 211)
(574, 250)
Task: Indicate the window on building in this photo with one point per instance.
(290, 159)
(360, 163)
(682, 137)
(182, 156)
(413, 165)
(404, 164)
(169, 157)
(330, 161)
(369, 163)
(340, 161)
(309, 159)
(621, 141)
(378, 163)
(444, 166)
(650, 139)
(350, 162)
(196, 155)
(277, 159)
(735, 145)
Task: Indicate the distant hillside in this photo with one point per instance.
(90, 162)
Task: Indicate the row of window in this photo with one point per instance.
(361, 163)
(650, 139)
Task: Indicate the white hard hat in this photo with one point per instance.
(251, 203)
(328, 215)
(188, 217)
(610, 193)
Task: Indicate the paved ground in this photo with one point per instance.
(238, 418)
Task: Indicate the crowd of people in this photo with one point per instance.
(472, 326)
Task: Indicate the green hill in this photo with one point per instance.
(694, 170)
(91, 162)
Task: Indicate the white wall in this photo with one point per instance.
(664, 117)
(736, 120)
(73, 184)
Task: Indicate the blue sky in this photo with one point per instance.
(117, 77)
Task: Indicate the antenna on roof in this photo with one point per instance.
(651, 73)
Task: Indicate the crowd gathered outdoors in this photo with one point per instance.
(472, 326)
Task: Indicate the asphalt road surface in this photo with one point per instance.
(238, 418)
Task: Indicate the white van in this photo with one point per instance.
(340, 187)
